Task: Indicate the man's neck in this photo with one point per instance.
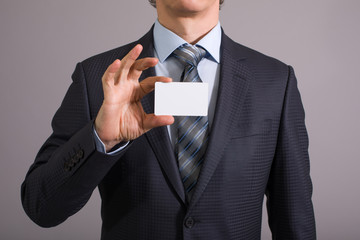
(190, 27)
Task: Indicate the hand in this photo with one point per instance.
(121, 116)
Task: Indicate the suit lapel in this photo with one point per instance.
(159, 137)
(234, 81)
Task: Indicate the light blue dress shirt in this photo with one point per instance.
(165, 42)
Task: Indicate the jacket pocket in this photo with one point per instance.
(252, 128)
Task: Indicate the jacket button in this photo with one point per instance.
(80, 154)
(189, 222)
(76, 159)
(67, 167)
(72, 162)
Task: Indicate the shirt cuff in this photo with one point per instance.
(100, 146)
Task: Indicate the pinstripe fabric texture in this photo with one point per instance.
(192, 131)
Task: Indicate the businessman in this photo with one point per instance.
(172, 177)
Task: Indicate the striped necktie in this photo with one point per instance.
(191, 142)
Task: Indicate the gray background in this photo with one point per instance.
(42, 40)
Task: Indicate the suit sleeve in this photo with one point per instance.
(67, 168)
(289, 190)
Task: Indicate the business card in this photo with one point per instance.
(181, 99)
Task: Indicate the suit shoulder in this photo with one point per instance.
(254, 57)
(106, 58)
(100, 62)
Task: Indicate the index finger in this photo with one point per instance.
(140, 65)
(148, 84)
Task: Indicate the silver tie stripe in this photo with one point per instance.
(192, 131)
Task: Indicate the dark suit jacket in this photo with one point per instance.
(258, 145)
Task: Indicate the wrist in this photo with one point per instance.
(110, 145)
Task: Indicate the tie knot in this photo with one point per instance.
(189, 55)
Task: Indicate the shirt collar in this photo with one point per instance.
(165, 42)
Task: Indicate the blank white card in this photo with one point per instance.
(181, 99)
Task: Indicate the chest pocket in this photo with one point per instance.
(252, 128)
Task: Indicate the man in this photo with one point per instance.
(105, 134)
